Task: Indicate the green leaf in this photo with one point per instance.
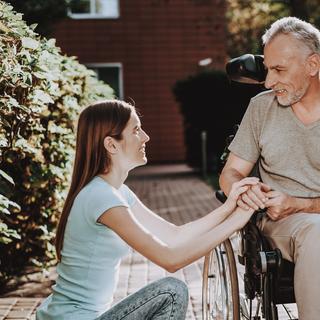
(5, 211)
(6, 176)
(33, 26)
(42, 97)
(3, 141)
(29, 43)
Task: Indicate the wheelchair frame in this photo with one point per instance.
(266, 278)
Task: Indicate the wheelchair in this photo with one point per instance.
(244, 278)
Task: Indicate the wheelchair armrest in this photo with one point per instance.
(221, 196)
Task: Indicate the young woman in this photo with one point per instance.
(102, 217)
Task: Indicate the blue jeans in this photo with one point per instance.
(165, 299)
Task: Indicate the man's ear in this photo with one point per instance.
(110, 145)
(314, 64)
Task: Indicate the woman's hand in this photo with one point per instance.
(237, 189)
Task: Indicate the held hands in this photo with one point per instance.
(255, 197)
(260, 196)
(238, 189)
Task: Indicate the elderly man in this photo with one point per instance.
(281, 131)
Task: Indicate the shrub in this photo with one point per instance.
(210, 102)
(41, 95)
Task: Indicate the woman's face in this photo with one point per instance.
(132, 146)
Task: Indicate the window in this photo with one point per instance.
(95, 9)
(111, 73)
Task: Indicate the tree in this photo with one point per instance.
(44, 13)
(247, 20)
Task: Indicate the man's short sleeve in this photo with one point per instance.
(245, 143)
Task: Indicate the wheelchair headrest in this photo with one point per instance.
(248, 68)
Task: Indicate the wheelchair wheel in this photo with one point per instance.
(220, 291)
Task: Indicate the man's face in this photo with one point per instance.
(285, 59)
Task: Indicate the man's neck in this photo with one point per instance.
(308, 108)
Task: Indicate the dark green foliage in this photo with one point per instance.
(210, 102)
(44, 13)
(80, 6)
(41, 94)
(248, 20)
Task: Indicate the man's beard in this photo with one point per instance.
(293, 98)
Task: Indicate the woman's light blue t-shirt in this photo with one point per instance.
(90, 258)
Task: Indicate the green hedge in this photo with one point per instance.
(210, 102)
(41, 94)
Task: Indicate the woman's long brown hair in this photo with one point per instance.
(106, 118)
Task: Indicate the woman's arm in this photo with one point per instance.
(167, 231)
(171, 255)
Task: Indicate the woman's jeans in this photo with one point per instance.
(165, 299)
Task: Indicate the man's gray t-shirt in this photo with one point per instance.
(288, 150)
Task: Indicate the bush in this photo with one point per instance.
(210, 102)
(41, 95)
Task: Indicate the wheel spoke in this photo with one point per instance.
(220, 295)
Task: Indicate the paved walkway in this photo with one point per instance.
(176, 193)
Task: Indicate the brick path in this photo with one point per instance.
(179, 196)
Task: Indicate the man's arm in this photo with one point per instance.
(236, 169)
(279, 205)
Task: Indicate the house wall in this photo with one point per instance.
(157, 42)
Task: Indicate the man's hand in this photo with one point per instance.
(280, 205)
(255, 197)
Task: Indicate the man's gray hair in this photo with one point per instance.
(301, 30)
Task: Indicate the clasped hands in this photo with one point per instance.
(250, 193)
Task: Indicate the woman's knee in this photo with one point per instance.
(177, 287)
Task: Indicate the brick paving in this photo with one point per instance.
(176, 193)
(178, 197)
